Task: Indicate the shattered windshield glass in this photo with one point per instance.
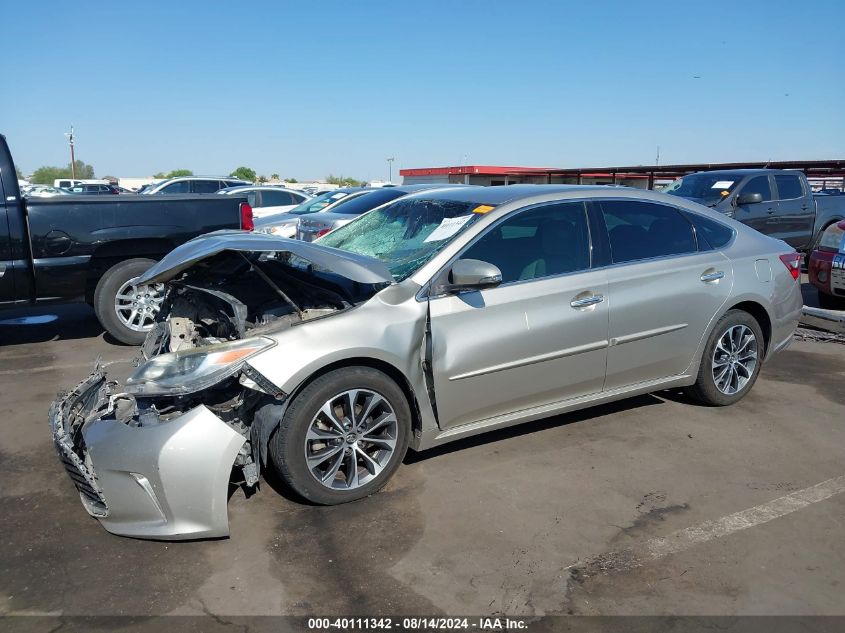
(406, 234)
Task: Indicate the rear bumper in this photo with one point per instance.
(826, 271)
(138, 474)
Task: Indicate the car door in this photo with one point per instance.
(664, 290)
(539, 337)
(795, 215)
(759, 216)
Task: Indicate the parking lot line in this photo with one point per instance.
(660, 547)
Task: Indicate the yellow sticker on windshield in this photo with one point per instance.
(483, 208)
(724, 193)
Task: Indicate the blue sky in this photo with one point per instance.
(305, 89)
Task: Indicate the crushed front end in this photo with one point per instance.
(156, 467)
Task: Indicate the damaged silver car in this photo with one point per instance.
(434, 317)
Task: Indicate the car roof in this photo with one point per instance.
(261, 187)
(501, 194)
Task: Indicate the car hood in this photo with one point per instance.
(358, 268)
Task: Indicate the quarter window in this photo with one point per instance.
(549, 240)
(789, 186)
(642, 230)
(759, 184)
(711, 234)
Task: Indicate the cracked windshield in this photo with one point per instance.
(405, 234)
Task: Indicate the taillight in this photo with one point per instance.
(322, 232)
(792, 261)
(247, 223)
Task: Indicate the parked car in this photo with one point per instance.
(268, 200)
(90, 248)
(284, 224)
(826, 269)
(193, 184)
(67, 183)
(95, 190)
(438, 316)
(776, 202)
(44, 191)
(315, 226)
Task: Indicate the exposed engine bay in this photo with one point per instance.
(236, 294)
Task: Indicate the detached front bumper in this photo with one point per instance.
(141, 475)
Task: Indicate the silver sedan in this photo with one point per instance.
(438, 316)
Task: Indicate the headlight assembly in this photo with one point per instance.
(191, 370)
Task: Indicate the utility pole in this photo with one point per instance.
(70, 139)
(390, 169)
(657, 160)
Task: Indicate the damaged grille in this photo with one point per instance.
(67, 417)
(84, 480)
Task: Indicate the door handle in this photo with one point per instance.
(714, 276)
(586, 301)
(770, 211)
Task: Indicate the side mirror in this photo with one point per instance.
(749, 198)
(473, 274)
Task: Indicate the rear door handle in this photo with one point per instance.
(714, 276)
(586, 301)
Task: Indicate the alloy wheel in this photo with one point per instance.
(351, 439)
(734, 359)
(137, 305)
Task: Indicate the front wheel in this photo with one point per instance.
(343, 436)
(127, 310)
(731, 361)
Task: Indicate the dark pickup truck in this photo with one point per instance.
(90, 248)
(776, 202)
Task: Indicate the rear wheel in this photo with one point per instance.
(731, 361)
(125, 309)
(343, 436)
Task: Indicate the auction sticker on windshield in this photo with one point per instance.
(447, 228)
(722, 184)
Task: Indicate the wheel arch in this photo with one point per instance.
(761, 315)
(109, 254)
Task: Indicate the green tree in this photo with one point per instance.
(18, 172)
(244, 173)
(46, 175)
(291, 180)
(274, 177)
(343, 181)
(262, 179)
(176, 173)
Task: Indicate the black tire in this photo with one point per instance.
(705, 390)
(287, 445)
(105, 293)
(831, 302)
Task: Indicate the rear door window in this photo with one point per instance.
(789, 186)
(643, 230)
(711, 234)
(276, 199)
(206, 186)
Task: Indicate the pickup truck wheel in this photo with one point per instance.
(127, 310)
(343, 436)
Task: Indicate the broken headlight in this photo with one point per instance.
(191, 370)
